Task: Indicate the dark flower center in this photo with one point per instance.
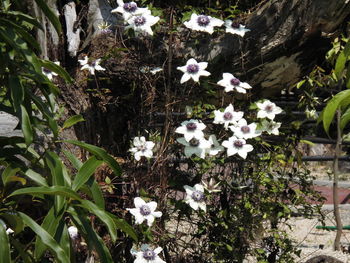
(203, 20)
(46, 70)
(130, 7)
(235, 81)
(191, 126)
(197, 196)
(149, 254)
(145, 210)
(192, 68)
(194, 142)
(228, 116)
(245, 129)
(235, 25)
(141, 148)
(140, 20)
(238, 144)
(268, 108)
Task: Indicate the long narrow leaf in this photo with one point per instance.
(4, 244)
(99, 152)
(53, 190)
(91, 237)
(102, 215)
(46, 238)
(26, 126)
(72, 121)
(50, 15)
(36, 177)
(73, 159)
(85, 172)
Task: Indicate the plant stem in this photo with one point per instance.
(335, 185)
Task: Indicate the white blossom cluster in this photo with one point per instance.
(139, 19)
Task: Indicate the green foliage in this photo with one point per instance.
(33, 164)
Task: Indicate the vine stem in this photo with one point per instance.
(335, 185)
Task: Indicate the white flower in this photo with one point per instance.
(239, 146)
(142, 23)
(245, 131)
(230, 83)
(194, 70)
(229, 116)
(8, 230)
(235, 28)
(197, 146)
(203, 23)
(73, 232)
(271, 127)
(211, 186)
(129, 9)
(48, 73)
(191, 129)
(91, 66)
(215, 147)
(142, 148)
(268, 109)
(195, 197)
(104, 27)
(147, 255)
(144, 211)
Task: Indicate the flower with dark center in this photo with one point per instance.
(235, 25)
(149, 254)
(45, 70)
(235, 81)
(145, 210)
(228, 116)
(203, 20)
(197, 196)
(268, 108)
(130, 7)
(203, 23)
(191, 126)
(238, 144)
(192, 68)
(245, 129)
(194, 142)
(139, 20)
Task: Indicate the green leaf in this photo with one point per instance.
(125, 227)
(328, 112)
(50, 224)
(26, 126)
(73, 159)
(17, 91)
(62, 236)
(23, 17)
(341, 60)
(50, 15)
(82, 222)
(72, 120)
(8, 172)
(4, 244)
(20, 30)
(344, 119)
(57, 69)
(13, 221)
(53, 190)
(99, 152)
(85, 172)
(102, 215)
(61, 256)
(56, 167)
(36, 177)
